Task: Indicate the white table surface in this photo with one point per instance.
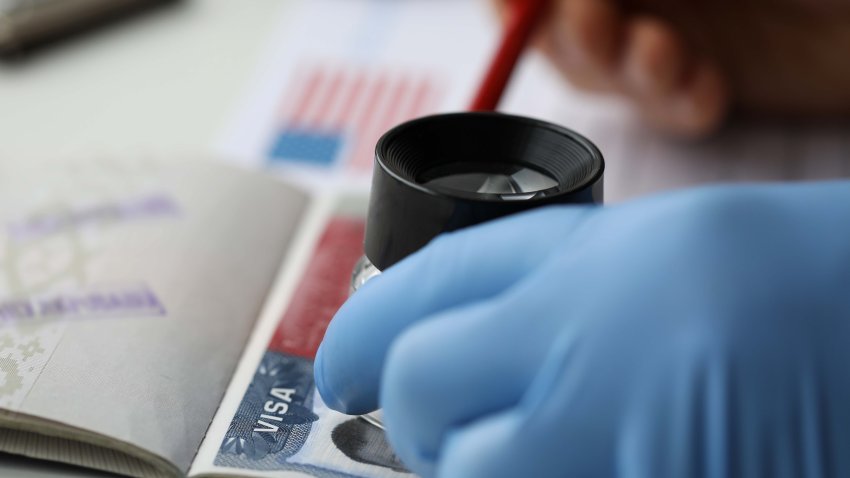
(161, 83)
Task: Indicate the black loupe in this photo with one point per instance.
(446, 172)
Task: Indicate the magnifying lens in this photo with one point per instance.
(442, 173)
(446, 172)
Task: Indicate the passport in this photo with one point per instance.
(160, 318)
(281, 424)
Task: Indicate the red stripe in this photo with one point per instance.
(307, 95)
(400, 105)
(384, 120)
(373, 96)
(432, 104)
(367, 112)
(323, 288)
(355, 92)
(420, 105)
(287, 101)
(414, 102)
(330, 92)
(392, 110)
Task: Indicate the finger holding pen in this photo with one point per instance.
(600, 47)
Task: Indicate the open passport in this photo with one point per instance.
(159, 319)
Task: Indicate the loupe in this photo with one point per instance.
(446, 172)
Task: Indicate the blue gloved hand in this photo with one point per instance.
(697, 334)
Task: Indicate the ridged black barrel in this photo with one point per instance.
(446, 172)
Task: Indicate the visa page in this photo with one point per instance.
(272, 422)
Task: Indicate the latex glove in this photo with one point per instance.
(697, 334)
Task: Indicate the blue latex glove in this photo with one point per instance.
(696, 334)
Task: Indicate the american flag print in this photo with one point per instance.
(335, 114)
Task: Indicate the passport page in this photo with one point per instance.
(128, 290)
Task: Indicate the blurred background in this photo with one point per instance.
(160, 81)
(303, 89)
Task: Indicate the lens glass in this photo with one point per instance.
(510, 180)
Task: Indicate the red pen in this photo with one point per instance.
(524, 17)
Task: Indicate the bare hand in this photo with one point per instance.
(684, 63)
